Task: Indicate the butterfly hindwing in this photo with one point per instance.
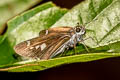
(53, 48)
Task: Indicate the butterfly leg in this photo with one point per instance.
(64, 50)
(62, 53)
(85, 45)
(74, 46)
(82, 41)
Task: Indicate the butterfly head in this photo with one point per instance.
(80, 30)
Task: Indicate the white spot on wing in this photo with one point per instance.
(36, 47)
(43, 46)
(46, 32)
(28, 43)
(31, 47)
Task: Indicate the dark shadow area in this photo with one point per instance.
(65, 3)
(61, 3)
(105, 69)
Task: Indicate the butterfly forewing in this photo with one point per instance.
(43, 46)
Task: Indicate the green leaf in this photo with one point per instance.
(42, 65)
(6, 53)
(10, 8)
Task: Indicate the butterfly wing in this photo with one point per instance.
(54, 48)
(62, 30)
(40, 47)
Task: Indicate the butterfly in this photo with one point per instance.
(51, 42)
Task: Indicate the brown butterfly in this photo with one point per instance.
(51, 42)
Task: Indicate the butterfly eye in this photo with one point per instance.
(78, 29)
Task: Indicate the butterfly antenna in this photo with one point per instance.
(78, 24)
